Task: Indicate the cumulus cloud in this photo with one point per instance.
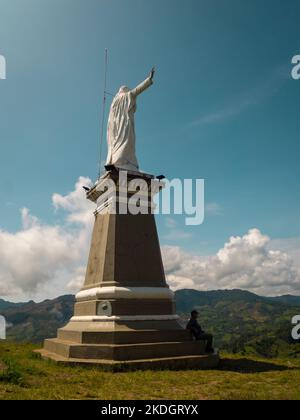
(78, 208)
(244, 262)
(44, 260)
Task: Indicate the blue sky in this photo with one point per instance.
(223, 107)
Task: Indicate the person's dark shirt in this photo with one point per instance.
(194, 326)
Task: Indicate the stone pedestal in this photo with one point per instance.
(125, 313)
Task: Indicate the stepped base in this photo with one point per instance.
(119, 346)
(119, 352)
(209, 361)
(123, 333)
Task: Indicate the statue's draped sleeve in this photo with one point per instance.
(142, 86)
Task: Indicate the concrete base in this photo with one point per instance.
(207, 361)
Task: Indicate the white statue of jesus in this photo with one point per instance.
(120, 130)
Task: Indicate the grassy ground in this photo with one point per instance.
(24, 376)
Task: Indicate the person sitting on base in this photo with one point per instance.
(195, 328)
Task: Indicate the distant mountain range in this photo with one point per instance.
(187, 297)
(240, 321)
(6, 305)
(33, 322)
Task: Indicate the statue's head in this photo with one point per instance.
(124, 89)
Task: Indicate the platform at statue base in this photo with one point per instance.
(118, 346)
(207, 361)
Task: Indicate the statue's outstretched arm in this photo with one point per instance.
(144, 85)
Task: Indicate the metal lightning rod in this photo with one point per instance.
(103, 113)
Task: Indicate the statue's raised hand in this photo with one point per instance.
(152, 73)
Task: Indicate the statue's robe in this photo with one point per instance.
(121, 131)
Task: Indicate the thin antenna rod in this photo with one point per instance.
(103, 113)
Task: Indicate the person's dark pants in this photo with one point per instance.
(209, 341)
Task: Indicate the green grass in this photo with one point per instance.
(24, 376)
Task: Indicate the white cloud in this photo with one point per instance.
(44, 260)
(291, 246)
(178, 282)
(244, 262)
(78, 277)
(75, 204)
